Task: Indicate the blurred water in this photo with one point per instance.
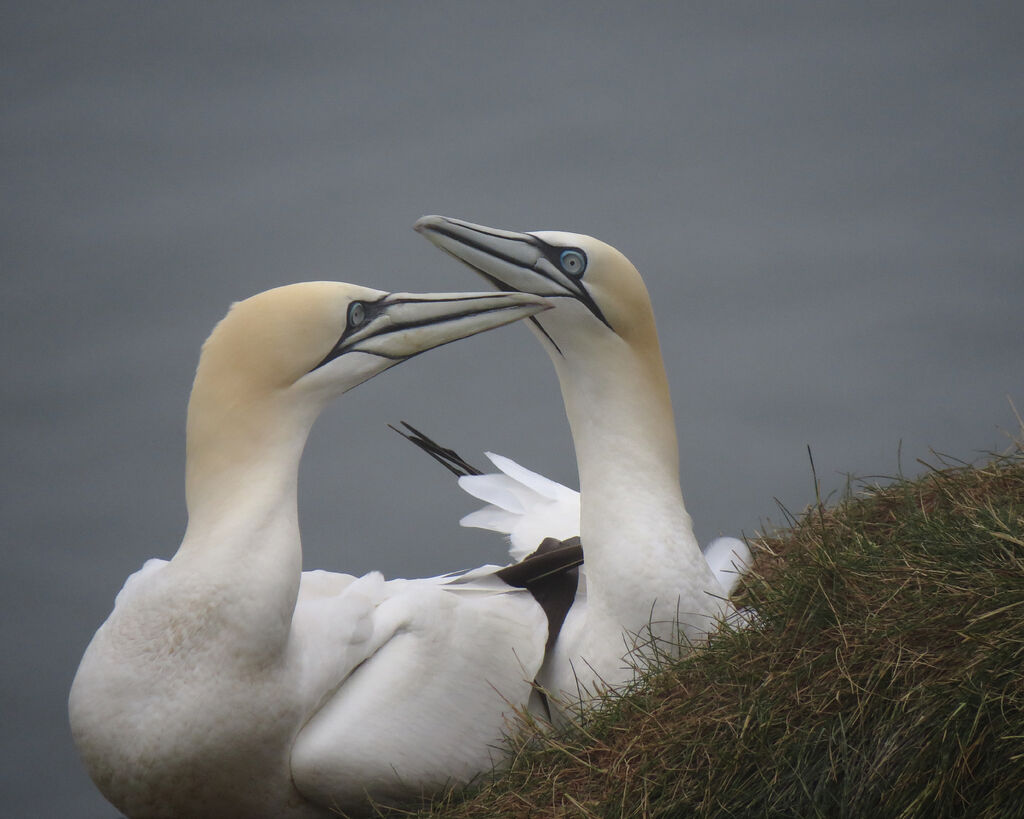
(825, 202)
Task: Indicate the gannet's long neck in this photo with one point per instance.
(620, 413)
(637, 535)
(243, 449)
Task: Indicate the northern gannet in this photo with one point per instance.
(646, 579)
(227, 682)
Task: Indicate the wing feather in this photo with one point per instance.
(729, 558)
(523, 505)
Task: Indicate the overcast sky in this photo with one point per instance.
(825, 201)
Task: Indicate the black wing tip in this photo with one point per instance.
(448, 458)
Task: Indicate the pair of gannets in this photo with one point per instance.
(227, 682)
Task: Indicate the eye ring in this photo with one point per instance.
(573, 262)
(356, 314)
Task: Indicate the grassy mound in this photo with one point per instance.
(884, 679)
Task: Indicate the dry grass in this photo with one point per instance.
(884, 679)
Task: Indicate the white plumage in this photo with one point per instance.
(228, 683)
(523, 505)
(647, 580)
(529, 507)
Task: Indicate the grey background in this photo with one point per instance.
(825, 202)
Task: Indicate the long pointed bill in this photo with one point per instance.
(510, 261)
(402, 325)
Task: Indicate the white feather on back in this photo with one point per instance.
(729, 558)
(523, 505)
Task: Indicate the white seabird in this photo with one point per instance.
(646, 579)
(227, 682)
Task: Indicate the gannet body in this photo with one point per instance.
(227, 682)
(646, 578)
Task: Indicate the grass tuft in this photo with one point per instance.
(884, 678)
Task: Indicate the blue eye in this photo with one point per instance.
(356, 314)
(573, 262)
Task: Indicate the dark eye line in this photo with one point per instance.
(371, 309)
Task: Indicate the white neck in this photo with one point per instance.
(637, 536)
(241, 486)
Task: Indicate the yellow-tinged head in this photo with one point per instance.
(270, 366)
(595, 290)
(332, 336)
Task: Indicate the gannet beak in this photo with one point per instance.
(398, 326)
(510, 261)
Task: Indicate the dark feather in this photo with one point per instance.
(551, 574)
(448, 458)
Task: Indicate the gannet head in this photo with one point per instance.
(274, 362)
(327, 337)
(596, 291)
